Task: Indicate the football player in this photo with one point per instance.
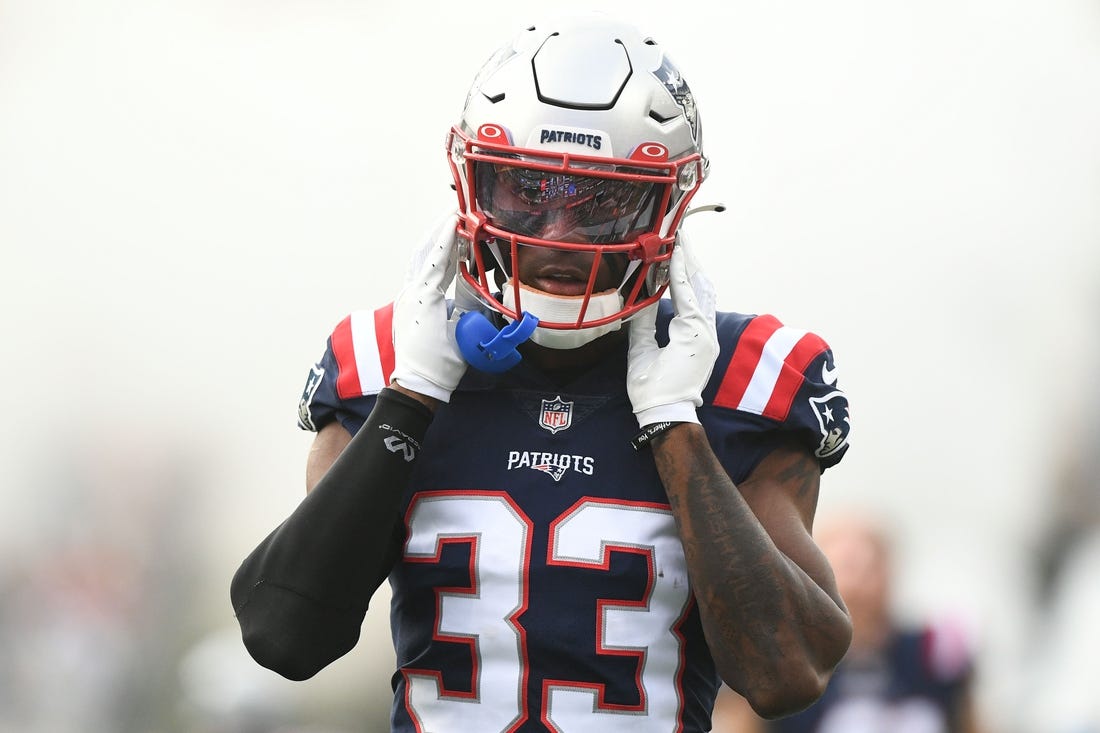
(591, 494)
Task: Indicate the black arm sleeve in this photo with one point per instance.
(301, 595)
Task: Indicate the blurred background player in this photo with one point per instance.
(896, 677)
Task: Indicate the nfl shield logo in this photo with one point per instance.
(556, 414)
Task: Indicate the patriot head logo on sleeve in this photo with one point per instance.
(832, 418)
(305, 414)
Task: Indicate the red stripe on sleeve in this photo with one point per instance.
(744, 360)
(343, 348)
(383, 333)
(790, 376)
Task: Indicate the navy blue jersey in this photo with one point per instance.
(917, 683)
(541, 584)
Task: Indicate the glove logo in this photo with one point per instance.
(396, 445)
(556, 414)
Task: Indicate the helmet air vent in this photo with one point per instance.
(582, 70)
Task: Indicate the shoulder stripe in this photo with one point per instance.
(744, 360)
(363, 346)
(347, 376)
(768, 369)
(790, 379)
(765, 371)
(383, 333)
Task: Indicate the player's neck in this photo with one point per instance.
(569, 363)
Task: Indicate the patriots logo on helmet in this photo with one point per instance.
(556, 414)
(832, 417)
(681, 93)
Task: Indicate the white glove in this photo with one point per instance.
(666, 384)
(426, 357)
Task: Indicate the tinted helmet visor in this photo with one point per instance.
(565, 207)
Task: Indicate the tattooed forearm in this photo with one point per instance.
(766, 619)
(704, 508)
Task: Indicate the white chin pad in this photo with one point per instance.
(565, 309)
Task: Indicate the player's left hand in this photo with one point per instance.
(426, 357)
(666, 384)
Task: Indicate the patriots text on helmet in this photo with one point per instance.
(565, 136)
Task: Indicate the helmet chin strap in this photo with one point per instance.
(547, 307)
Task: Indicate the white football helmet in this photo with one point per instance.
(578, 136)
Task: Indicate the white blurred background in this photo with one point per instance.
(193, 192)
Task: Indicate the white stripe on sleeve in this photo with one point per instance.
(768, 369)
(367, 361)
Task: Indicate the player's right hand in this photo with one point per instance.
(666, 383)
(426, 357)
